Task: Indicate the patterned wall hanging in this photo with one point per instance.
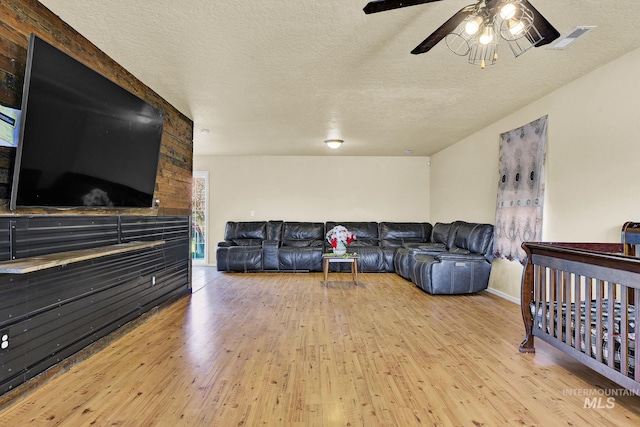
(520, 189)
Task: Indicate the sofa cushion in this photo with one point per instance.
(393, 232)
(303, 231)
(247, 242)
(239, 258)
(396, 243)
(251, 230)
(440, 232)
(473, 237)
(300, 259)
(274, 230)
(301, 243)
(365, 231)
(364, 242)
(245, 230)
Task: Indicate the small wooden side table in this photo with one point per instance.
(350, 258)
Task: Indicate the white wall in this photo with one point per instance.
(593, 151)
(313, 189)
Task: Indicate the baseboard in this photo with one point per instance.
(503, 296)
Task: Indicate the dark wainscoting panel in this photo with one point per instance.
(51, 314)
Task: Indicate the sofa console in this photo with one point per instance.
(443, 258)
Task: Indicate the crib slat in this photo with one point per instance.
(587, 317)
(566, 286)
(541, 281)
(552, 300)
(624, 334)
(598, 320)
(576, 318)
(610, 331)
(636, 353)
(558, 299)
(577, 321)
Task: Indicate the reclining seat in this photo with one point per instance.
(301, 247)
(366, 245)
(241, 249)
(394, 235)
(465, 266)
(403, 257)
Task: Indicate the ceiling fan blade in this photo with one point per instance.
(546, 29)
(382, 5)
(443, 30)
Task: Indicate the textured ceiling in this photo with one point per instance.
(279, 77)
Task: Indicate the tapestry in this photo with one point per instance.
(520, 189)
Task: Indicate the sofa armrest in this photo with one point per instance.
(226, 244)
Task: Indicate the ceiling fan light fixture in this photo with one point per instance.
(476, 28)
(334, 143)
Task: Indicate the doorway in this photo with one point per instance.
(199, 230)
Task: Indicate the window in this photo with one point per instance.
(199, 217)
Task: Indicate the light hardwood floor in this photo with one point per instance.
(289, 350)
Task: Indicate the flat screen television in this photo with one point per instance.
(84, 141)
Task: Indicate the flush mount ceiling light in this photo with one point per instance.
(204, 131)
(334, 143)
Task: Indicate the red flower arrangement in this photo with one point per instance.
(339, 236)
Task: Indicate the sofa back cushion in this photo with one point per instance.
(301, 234)
(366, 232)
(395, 234)
(245, 231)
(274, 230)
(475, 238)
(440, 232)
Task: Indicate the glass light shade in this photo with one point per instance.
(508, 11)
(517, 28)
(487, 36)
(334, 143)
(473, 25)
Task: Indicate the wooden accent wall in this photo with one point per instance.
(19, 18)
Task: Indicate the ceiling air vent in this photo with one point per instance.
(573, 35)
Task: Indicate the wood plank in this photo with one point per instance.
(287, 349)
(37, 263)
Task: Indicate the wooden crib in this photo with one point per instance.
(583, 299)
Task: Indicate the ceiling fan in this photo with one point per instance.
(473, 30)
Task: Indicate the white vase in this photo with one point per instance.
(340, 250)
